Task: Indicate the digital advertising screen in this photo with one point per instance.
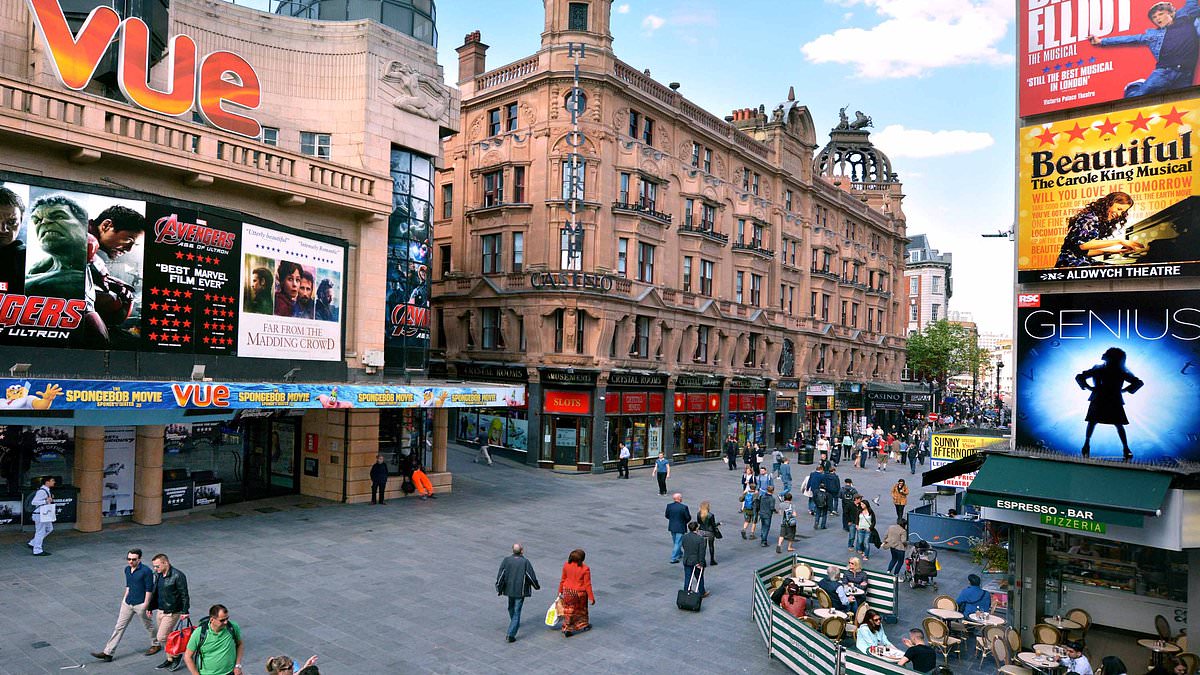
(1075, 53)
(1109, 375)
(84, 269)
(1110, 196)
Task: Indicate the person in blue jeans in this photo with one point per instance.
(516, 579)
(862, 535)
(785, 476)
(914, 453)
(1172, 41)
(821, 499)
(677, 516)
(766, 509)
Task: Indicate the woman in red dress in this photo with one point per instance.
(575, 589)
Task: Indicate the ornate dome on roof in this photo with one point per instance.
(850, 153)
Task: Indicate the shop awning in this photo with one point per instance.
(1051, 488)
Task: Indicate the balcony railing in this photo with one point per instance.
(508, 73)
(642, 210)
(707, 233)
(753, 248)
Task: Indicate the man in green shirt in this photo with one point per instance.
(217, 646)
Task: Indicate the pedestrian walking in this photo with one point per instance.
(677, 515)
(833, 486)
(710, 529)
(847, 448)
(787, 525)
(750, 458)
(218, 642)
(575, 589)
(693, 556)
(815, 479)
(900, 497)
(750, 501)
(821, 500)
(866, 521)
(823, 446)
(731, 452)
(623, 461)
(767, 508)
(914, 454)
(662, 471)
(881, 454)
(484, 450)
(849, 513)
(763, 480)
(135, 601)
(785, 476)
(44, 515)
(173, 602)
(379, 476)
(776, 460)
(517, 580)
(895, 540)
(749, 479)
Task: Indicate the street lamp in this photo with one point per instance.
(999, 402)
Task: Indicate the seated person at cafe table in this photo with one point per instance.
(832, 586)
(870, 633)
(1075, 661)
(788, 596)
(855, 576)
(920, 655)
(973, 598)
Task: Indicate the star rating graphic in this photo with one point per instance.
(1067, 64)
(1108, 127)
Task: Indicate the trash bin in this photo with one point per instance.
(805, 455)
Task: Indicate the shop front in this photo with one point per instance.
(505, 429)
(885, 405)
(851, 412)
(698, 430)
(918, 403)
(1113, 540)
(787, 411)
(634, 414)
(747, 416)
(820, 401)
(567, 428)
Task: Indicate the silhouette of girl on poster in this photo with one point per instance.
(1107, 405)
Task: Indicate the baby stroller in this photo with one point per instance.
(920, 567)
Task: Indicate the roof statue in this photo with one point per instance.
(860, 121)
(850, 153)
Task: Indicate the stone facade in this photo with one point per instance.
(778, 276)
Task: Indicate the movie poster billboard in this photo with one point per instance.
(409, 257)
(301, 317)
(1109, 375)
(86, 269)
(1082, 52)
(1110, 196)
(119, 454)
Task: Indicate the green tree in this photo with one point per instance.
(943, 350)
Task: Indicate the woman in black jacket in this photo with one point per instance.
(709, 530)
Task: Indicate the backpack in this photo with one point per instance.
(407, 486)
(789, 516)
(821, 498)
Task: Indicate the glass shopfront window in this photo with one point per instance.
(498, 427)
(567, 427)
(28, 453)
(747, 417)
(698, 423)
(636, 419)
(213, 449)
(406, 439)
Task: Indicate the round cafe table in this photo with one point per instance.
(887, 654)
(946, 614)
(1158, 648)
(855, 590)
(803, 583)
(1053, 651)
(823, 613)
(1039, 662)
(1062, 624)
(980, 620)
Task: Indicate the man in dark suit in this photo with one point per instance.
(693, 556)
(517, 580)
(677, 516)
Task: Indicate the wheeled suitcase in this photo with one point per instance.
(689, 598)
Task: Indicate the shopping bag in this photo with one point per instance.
(178, 639)
(552, 614)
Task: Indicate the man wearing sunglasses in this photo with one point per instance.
(139, 587)
(215, 647)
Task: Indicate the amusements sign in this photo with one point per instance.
(1063, 67)
(93, 271)
(1136, 354)
(1110, 196)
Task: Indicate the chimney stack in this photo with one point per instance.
(472, 58)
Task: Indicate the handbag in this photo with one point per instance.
(717, 532)
(178, 639)
(552, 616)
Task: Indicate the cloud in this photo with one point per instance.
(623, 8)
(918, 36)
(652, 23)
(897, 141)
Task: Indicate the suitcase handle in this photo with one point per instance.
(697, 574)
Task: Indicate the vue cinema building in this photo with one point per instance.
(655, 274)
(197, 304)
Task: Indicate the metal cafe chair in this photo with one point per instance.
(938, 635)
(983, 643)
(1046, 634)
(834, 628)
(945, 602)
(1081, 617)
(1001, 656)
(823, 599)
(1162, 627)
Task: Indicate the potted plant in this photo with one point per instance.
(990, 554)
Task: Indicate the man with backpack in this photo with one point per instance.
(787, 527)
(216, 646)
(821, 499)
(776, 460)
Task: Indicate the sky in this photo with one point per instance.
(936, 76)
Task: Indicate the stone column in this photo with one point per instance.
(440, 426)
(534, 426)
(668, 433)
(769, 419)
(148, 475)
(600, 448)
(89, 477)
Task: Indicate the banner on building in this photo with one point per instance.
(946, 448)
(1075, 53)
(409, 257)
(1110, 196)
(1104, 372)
(95, 268)
(120, 445)
(41, 394)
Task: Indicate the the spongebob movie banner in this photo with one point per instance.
(1109, 375)
(1075, 53)
(1110, 196)
(45, 394)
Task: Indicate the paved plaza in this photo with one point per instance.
(408, 587)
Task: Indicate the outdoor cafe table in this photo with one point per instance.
(946, 614)
(978, 619)
(1061, 623)
(1039, 662)
(1158, 648)
(823, 613)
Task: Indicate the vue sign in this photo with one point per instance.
(224, 77)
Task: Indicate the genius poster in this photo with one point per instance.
(1075, 53)
(1110, 196)
(1109, 375)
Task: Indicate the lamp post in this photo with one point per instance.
(999, 402)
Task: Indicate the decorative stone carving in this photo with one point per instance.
(418, 94)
